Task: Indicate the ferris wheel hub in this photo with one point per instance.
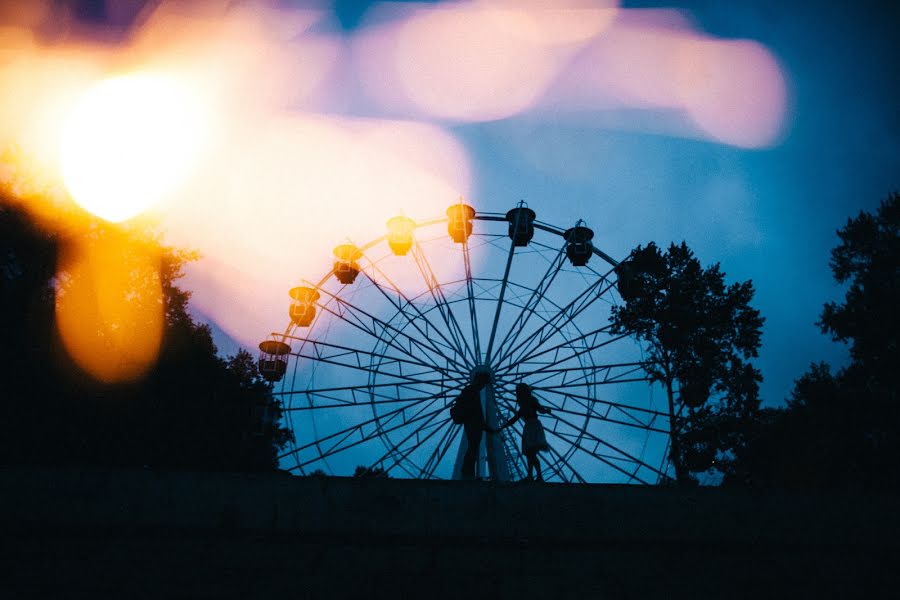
(482, 373)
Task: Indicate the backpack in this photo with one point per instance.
(456, 414)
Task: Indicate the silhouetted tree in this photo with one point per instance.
(364, 472)
(700, 335)
(841, 429)
(868, 258)
(192, 410)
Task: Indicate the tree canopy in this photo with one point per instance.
(193, 409)
(868, 259)
(840, 429)
(700, 335)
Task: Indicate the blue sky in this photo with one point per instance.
(330, 117)
(766, 214)
(840, 154)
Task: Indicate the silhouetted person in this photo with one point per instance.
(468, 407)
(533, 438)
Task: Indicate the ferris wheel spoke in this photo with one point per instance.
(470, 294)
(360, 428)
(356, 366)
(427, 470)
(611, 374)
(519, 431)
(341, 404)
(601, 442)
(339, 350)
(567, 344)
(370, 324)
(573, 355)
(528, 309)
(565, 461)
(440, 301)
(512, 451)
(361, 324)
(396, 302)
(625, 409)
(509, 259)
(444, 446)
(589, 403)
(368, 396)
(556, 322)
(615, 458)
(342, 434)
(338, 448)
(605, 460)
(441, 383)
(397, 355)
(357, 324)
(589, 384)
(396, 455)
(586, 376)
(408, 414)
(591, 413)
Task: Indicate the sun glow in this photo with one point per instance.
(129, 142)
(109, 306)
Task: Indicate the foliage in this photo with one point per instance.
(192, 410)
(840, 429)
(363, 472)
(700, 335)
(868, 258)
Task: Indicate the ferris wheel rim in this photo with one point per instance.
(478, 216)
(482, 216)
(375, 354)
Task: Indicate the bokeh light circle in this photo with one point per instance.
(128, 143)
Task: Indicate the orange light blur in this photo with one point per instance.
(293, 190)
(109, 306)
(289, 168)
(129, 142)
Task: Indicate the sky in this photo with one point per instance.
(767, 214)
(759, 185)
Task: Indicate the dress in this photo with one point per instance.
(533, 438)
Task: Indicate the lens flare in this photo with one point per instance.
(734, 90)
(109, 307)
(128, 143)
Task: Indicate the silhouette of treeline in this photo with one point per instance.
(699, 334)
(197, 410)
(192, 410)
(837, 429)
(842, 429)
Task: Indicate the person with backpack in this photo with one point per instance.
(533, 438)
(466, 411)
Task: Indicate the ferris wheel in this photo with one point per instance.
(378, 349)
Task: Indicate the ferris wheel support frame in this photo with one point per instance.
(492, 456)
(463, 360)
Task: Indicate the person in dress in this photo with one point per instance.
(533, 438)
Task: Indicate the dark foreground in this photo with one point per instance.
(141, 534)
